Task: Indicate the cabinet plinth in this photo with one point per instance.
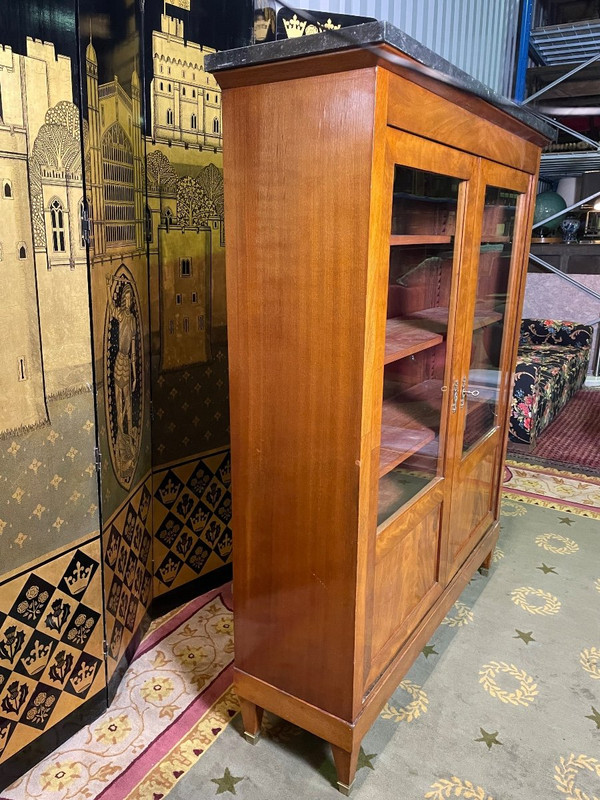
(374, 283)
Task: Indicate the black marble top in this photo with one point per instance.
(368, 35)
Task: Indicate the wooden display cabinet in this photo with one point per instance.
(377, 226)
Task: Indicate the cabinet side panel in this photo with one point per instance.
(296, 282)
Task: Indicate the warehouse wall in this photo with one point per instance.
(476, 35)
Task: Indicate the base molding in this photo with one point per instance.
(346, 735)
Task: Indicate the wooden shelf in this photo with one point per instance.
(418, 238)
(409, 422)
(405, 337)
(435, 320)
(491, 238)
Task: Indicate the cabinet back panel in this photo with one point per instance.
(296, 305)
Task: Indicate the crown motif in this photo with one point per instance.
(226, 473)
(37, 658)
(82, 680)
(199, 520)
(294, 27)
(330, 26)
(78, 580)
(168, 573)
(168, 493)
(224, 545)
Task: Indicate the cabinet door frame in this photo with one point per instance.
(408, 150)
(492, 443)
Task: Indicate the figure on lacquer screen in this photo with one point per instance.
(124, 374)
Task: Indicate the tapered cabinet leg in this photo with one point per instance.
(487, 562)
(345, 764)
(252, 718)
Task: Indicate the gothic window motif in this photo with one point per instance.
(216, 125)
(169, 84)
(161, 83)
(194, 297)
(183, 91)
(207, 94)
(216, 98)
(178, 299)
(22, 250)
(169, 116)
(193, 93)
(185, 267)
(57, 219)
(168, 219)
(7, 192)
(194, 121)
(119, 209)
(186, 325)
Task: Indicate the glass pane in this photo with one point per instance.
(495, 253)
(420, 281)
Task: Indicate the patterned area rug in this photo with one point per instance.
(571, 441)
(173, 703)
(552, 488)
(503, 702)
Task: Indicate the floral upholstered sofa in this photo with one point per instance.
(552, 362)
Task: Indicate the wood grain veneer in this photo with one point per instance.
(328, 394)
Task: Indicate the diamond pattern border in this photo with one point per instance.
(127, 572)
(192, 516)
(51, 642)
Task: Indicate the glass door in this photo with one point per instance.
(423, 213)
(429, 195)
(490, 300)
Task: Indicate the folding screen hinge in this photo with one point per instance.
(97, 459)
(85, 224)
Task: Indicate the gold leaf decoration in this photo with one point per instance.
(590, 661)
(455, 787)
(551, 605)
(523, 696)
(411, 711)
(565, 774)
(567, 548)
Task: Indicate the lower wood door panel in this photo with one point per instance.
(405, 585)
(472, 504)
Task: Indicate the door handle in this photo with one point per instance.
(464, 392)
(454, 396)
